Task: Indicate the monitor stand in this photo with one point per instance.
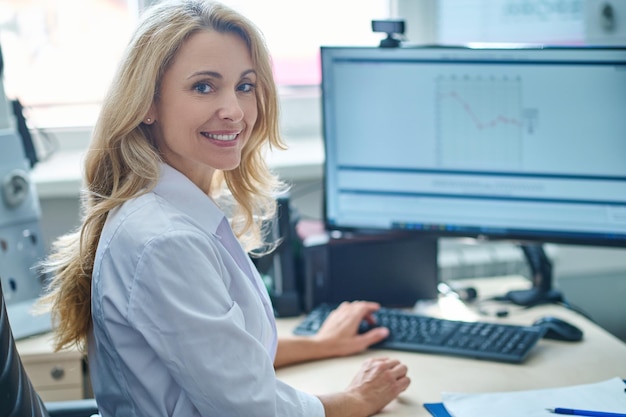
(541, 273)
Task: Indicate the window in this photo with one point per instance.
(294, 31)
(60, 55)
(557, 22)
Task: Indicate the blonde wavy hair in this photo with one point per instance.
(122, 161)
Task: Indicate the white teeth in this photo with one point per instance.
(220, 137)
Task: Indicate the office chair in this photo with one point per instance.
(18, 398)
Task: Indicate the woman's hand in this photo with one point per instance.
(378, 382)
(338, 336)
(339, 332)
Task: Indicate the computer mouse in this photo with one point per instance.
(559, 329)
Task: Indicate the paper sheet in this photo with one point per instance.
(602, 396)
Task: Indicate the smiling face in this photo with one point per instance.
(206, 107)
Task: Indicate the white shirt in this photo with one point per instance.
(182, 324)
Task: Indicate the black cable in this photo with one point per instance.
(576, 309)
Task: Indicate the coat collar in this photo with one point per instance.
(182, 193)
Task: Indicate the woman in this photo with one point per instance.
(156, 281)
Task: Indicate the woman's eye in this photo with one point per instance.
(202, 88)
(246, 87)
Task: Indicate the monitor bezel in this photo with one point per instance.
(516, 236)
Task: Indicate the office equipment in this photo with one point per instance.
(419, 333)
(21, 241)
(573, 412)
(559, 329)
(24, 132)
(278, 268)
(517, 143)
(394, 269)
(392, 28)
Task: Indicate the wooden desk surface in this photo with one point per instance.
(598, 357)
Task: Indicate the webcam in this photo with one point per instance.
(392, 28)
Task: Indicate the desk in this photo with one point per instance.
(598, 357)
(56, 376)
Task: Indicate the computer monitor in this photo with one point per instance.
(521, 143)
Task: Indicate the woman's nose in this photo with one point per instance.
(230, 108)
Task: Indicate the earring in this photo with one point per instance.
(148, 120)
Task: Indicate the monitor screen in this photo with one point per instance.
(521, 143)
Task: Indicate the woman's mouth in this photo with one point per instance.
(220, 137)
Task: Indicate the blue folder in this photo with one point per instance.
(437, 409)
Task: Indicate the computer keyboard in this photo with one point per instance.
(418, 333)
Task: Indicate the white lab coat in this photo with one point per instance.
(182, 324)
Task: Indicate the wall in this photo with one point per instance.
(594, 280)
